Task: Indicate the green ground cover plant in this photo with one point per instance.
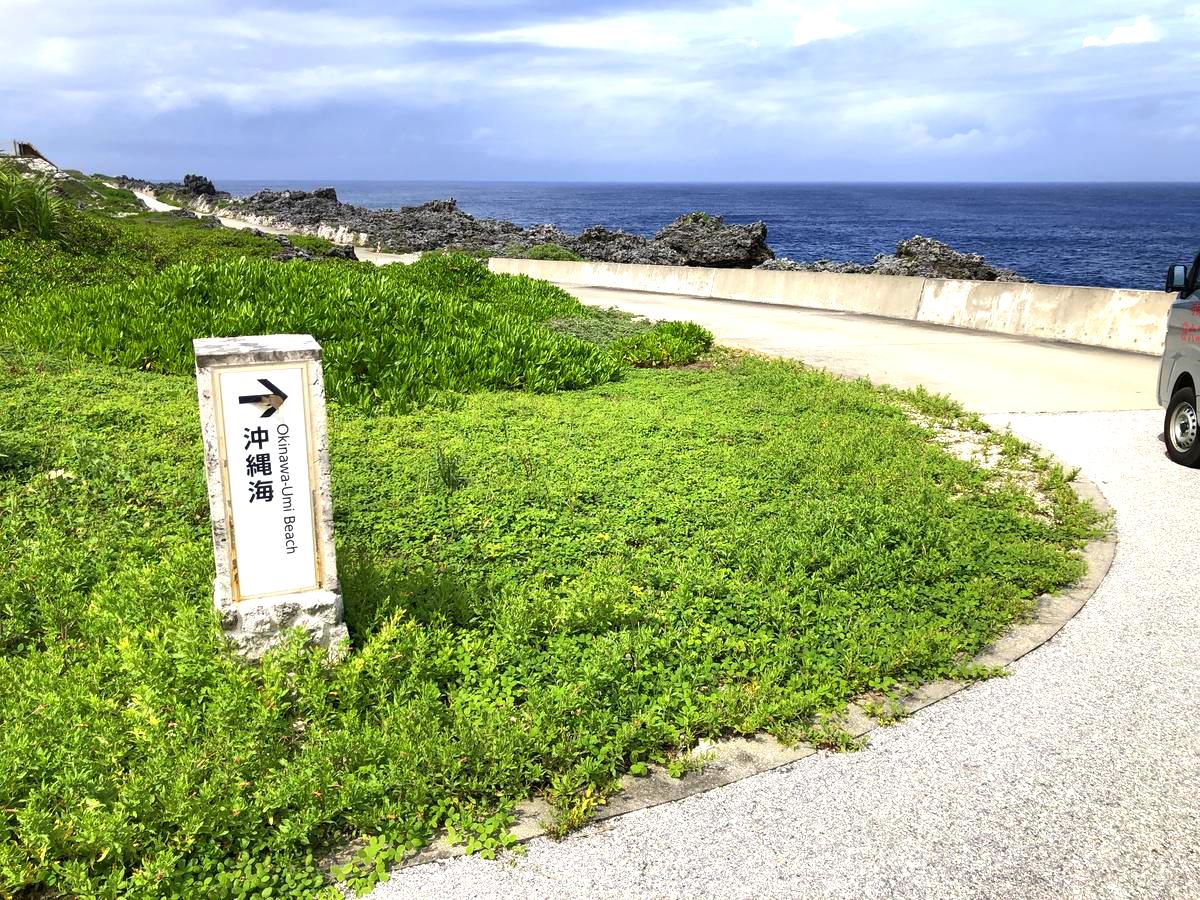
(393, 336)
(94, 250)
(540, 251)
(92, 192)
(665, 344)
(601, 326)
(543, 591)
(310, 242)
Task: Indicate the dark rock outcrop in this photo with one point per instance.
(205, 221)
(694, 239)
(193, 188)
(919, 256)
(199, 186)
(704, 240)
(605, 245)
(697, 240)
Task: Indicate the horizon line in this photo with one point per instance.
(759, 183)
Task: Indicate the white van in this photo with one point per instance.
(1179, 373)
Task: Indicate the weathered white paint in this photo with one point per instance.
(267, 464)
(267, 481)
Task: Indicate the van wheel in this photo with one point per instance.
(1182, 428)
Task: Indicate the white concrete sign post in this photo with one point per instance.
(266, 451)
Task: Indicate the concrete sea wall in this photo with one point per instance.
(1100, 317)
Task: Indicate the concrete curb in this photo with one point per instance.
(1115, 318)
(733, 759)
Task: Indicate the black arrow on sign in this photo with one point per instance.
(271, 401)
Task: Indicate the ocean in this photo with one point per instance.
(1109, 235)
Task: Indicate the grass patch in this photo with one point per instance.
(544, 591)
(92, 193)
(635, 340)
(540, 251)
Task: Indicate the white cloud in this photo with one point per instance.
(821, 25)
(310, 29)
(56, 55)
(752, 25)
(583, 82)
(1141, 30)
(635, 33)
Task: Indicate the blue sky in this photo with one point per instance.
(742, 90)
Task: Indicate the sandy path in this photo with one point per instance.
(378, 257)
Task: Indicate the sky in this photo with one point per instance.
(681, 90)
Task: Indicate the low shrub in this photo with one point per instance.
(94, 250)
(552, 252)
(311, 243)
(29, 204)
(539, 251)
(601, 326)
(666, 344)
(91, 192)
(393, 337)
(434, 254)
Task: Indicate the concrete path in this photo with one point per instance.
(1076, 776)
(152, 203)
(378, 257)
(986, 372)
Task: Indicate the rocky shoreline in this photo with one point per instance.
(693, 239)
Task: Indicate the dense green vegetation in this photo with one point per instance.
(92, 192)
(92, 251)
(541, 251)
(665, 344)
(30, 206)
(544, 590)
(311, 243)
(394, 336)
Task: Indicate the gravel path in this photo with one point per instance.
(1077, 776)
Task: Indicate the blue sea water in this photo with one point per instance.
(1111, 235)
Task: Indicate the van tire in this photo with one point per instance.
(1181, 428)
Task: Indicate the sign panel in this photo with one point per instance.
(265, 436)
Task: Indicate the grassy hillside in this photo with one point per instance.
(558, 567)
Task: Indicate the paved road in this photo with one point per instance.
(987, 372)
(1076, 776)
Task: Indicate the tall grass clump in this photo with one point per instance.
(393, 337)
(30, 205)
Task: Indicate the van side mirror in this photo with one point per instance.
(1177, 279)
